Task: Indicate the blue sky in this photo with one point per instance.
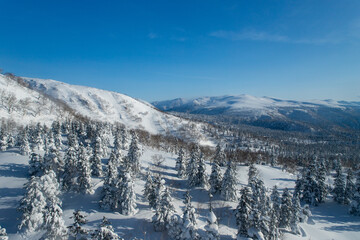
(156, 50)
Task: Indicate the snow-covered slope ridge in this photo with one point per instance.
(110, 106)
(23, 105)
(247, 103)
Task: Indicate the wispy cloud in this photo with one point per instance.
(254, 35)
(152, 35)
(249, 35)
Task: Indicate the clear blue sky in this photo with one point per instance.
(156, 50)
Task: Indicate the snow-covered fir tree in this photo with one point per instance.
(215, 180)
(339, 186)
(211, 228)
(189, 227)
(54, 222)
(133, 157)
(228, 186)
(322, 188)
(71, 170)
(3, 234)
(201, 179)
(355, 203)
(174, 227)
(286, 209)
(243, 212)
(95, 160)
(36, 165)
(276, 202)
(220, 156)
(309, 185)
(3, 140)
(181, 164)
(295, 216)
(32, 206)
(53, 160)
(273, 233)
(84, 172)
(192, 167)
(24, 143)
(150, 189)
(349, 187)
(164, 210)
(37, 142)
(109, 197)
(105, 231)
(76, 229)
(128, 197)
(253, 174)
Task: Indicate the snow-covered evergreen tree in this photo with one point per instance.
(3, 234)
(295, 216)
(32, 206)
(128, 197)
(149, 190)
(76, 229)
(24, 143)
(70, 170)
(286, 209)
(3, 140)
(228, 186)
(211, 228)
(276, 202)
(54, 222)
(339, 186)
(164, 210)
(109, 197)
(36, 165)
(84, 172)
(105, 231)
(220, 156)
(174, 227)
(215, 180)
(252, 175)
(192, 167)
(273, 233)
(243, 212)
(349, 187)
(355, 203)
(189, 227)
(133, 157)
(53, 160)
(201, 179)
(181, 164)
(95, 160)
(322, 189)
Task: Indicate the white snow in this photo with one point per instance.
(329, 221)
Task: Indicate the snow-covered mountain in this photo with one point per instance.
(23, 105)
(45, 98)
(271, 111)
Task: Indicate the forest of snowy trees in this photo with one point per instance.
(65, 157)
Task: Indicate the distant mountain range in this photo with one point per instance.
(271, 112)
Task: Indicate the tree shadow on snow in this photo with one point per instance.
(14, 170)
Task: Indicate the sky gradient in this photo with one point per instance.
(157, 50)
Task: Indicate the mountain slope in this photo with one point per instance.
(114, 107)
(271, 112)
(22, 105)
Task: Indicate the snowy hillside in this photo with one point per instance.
(22, 105)
(111, 107)
(308, 114)
(329, 221)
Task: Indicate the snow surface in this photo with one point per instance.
(36, 109)
(329, 221)
(111, 106)
(247, 103)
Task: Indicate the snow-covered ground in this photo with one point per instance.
(329, 221)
